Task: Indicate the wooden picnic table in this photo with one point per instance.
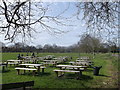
(14, 62)
(83, 58)
(76, 69)
(3, 65)
(50, 60)
(72, 62)
(83, 61)
(54, 62)
(71, 66)
(28, 59)
(34, 65)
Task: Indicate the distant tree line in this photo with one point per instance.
(87, 44)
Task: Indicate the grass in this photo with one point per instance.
(49, 79)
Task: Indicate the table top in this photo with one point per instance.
(63, 65)
(27, 56)
(14, 60)
(3, 64)
(83, 58)
(55, 58)
(27, 64)
(71, 62)
(83, 61)
(49, 60)
(72, 66)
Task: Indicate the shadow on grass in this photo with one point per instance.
(4, 71)
(102, 75)
(43, 74)
(52, 66)
(36, 74)
(86, 77)
(89, 70)
(73, 76)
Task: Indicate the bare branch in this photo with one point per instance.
(20, 17)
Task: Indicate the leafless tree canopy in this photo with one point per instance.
(20, 17)
(100, 16)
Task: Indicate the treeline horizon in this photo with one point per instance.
(87, 44)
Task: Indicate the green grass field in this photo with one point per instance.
(108, 77)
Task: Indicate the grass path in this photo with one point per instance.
(112, 80)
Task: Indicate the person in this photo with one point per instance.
(27, 54)
(33, 54)
(22, 55)
(18, 56)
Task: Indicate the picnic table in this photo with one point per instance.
(3, 65)
(53, 62)
(84, 62)
(71, 66)
(83, 58)
(14, 62)
(32, 65)
(66, 68)
(30, 59)
(72, 63)
(27, 56)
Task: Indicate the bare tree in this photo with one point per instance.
(100, 17)
(20, 18)
(89, 43)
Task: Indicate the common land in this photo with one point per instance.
(108, 75)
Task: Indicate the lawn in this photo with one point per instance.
(108, 77)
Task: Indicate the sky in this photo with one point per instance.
(71, 35)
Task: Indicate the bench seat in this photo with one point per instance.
(30, 69)
(17, 86)
(48, 63)
(42, 67)
(73, 71)
(75, 68)
(26, 68)
(13, 63)
(66, 71)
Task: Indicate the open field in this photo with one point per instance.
(108, 77)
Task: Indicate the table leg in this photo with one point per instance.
(79, 75)
(24, 71)
(3, 68)
(38, 69)
(43, 70)
(18, 71)
(56, 73)
(33, 72)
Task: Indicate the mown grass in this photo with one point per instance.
(49, 79)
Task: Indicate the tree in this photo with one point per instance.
(20, 18)
(89, 44)
(39, 46)
(100, 17)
